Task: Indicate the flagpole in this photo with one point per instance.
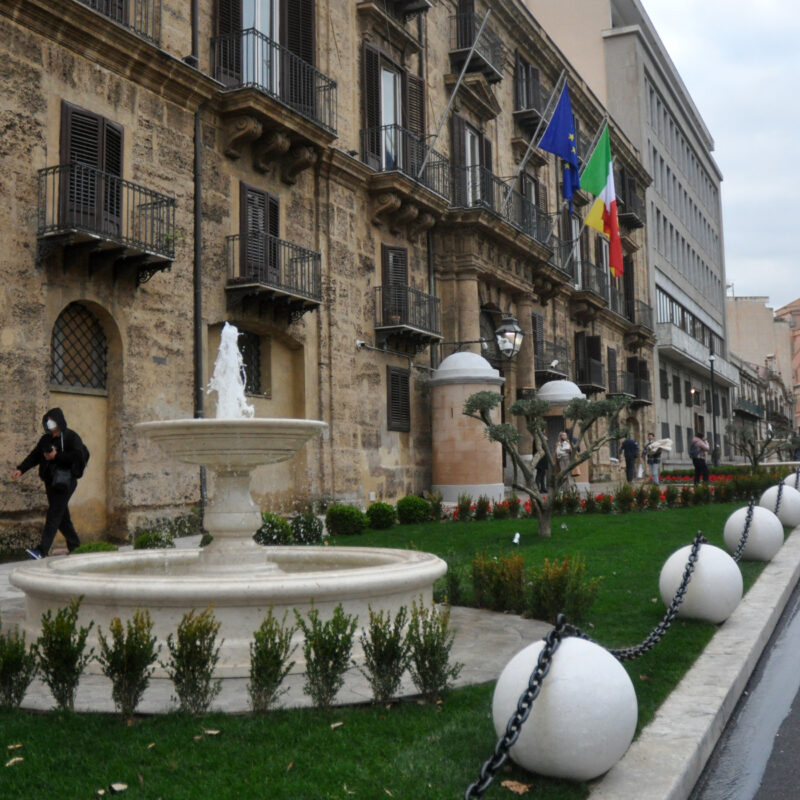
(529, 150)
(453, 93)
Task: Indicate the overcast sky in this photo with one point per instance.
(740, 60)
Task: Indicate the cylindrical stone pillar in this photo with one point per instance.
(464, 460)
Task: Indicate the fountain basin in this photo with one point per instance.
(168, 583)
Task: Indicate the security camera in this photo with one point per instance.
(554, 363)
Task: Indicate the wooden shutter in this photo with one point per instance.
(533, 98)
(611, 361)
(398, 399)
(111, 183)
(599, 256)
(581, 358)
(676, 388)
(297, 20)
(487, 185)
(687, 390)
(541, 196)
(537, 326)
(466, 27)
(395, 285)
(594, 348)
(371, 93)
(664, 385)
(415, 104)
(628, 287)
(458, 159)
(228, 50)
(259, 219)
(520, 74)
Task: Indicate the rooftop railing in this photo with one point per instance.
(250, 59)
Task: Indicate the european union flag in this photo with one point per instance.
(559, 138)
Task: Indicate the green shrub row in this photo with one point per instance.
(128, 655)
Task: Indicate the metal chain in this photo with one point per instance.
(780, 495)
(524, 705)
(562, 630)
(797, 478)
(746, 532)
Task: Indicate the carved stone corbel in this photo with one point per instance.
(269, 148)
(407, 213)
(423, 223)
(299, 158)
(238, 132)
(385, 203)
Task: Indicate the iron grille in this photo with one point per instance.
(79, 352)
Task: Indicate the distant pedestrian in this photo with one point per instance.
(653, 454)
(630, 449)
(60, 456)
(698, 450)
(563, 456)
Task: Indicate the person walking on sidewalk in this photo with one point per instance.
(653, 453)
(61, 457)
(698, 450)
(630, 450)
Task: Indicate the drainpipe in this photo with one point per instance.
(197, 278)
(193, 59)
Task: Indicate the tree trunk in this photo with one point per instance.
(545, 516)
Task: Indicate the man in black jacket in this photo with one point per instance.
(59, 449)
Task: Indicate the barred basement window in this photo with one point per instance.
(250, 348)
(78, 350)
(398, 400)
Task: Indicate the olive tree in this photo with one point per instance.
(745, 440)
(582, 418)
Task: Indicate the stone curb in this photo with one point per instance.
(665, 762)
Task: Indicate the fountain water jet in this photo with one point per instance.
(241, 579)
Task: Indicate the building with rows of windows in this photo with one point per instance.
(171, 166)
(626, 64)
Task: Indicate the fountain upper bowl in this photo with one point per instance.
(231, 443)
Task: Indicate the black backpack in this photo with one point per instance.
(83, 461)
(694, 451)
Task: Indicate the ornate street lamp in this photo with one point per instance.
(509, 337)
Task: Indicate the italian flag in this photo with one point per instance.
(598, 179)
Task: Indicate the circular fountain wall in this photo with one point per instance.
(170, 583)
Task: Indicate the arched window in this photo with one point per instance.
(78, 351)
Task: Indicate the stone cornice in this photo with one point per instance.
(347, 171)
(93, 36)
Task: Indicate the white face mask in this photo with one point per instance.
(50, 425)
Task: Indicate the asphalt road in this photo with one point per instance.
(756, 757)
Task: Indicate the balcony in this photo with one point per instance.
(643, 393)
(140, 16)
(529, 105)
(591, 292)
(590, 375)
(281, 105)
(551, 361)
(677, 345)
(488, 56)
(621, 384)
(630, 210)
(477, 187)
(407, 317)
(269, 269)
(83, 211)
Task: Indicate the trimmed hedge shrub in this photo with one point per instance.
(343, 520)
(413, 510)
(95, 547)
(154, 540)
(381, 516)
(274, 530)
(306, 529)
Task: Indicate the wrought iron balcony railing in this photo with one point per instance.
(140, 16)
(477, 186)
(251, 59)
(643, 391)
(748, 407)
(74, 197)
(274, 263)
(617, 302)
(590, 375)
(488, 51)
(399, 305)
(565, 257)
(592, 279)
(642, 314)
(551, 358)
(631, 209)
(404, 152)
(622, 382)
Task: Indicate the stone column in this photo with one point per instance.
(469, 308)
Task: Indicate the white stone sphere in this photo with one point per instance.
(715, 588)
(789, 511)
(764, 539)
(584, 718)
(792, 480)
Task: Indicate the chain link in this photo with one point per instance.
(746, 532)
(514, 728)
(562, 630)
(780, 495)
(796, 479)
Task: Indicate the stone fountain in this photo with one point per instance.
(240, 578)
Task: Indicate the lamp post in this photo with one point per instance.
(715, 450)
(508, 338)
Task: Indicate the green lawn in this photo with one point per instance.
(408, 750)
